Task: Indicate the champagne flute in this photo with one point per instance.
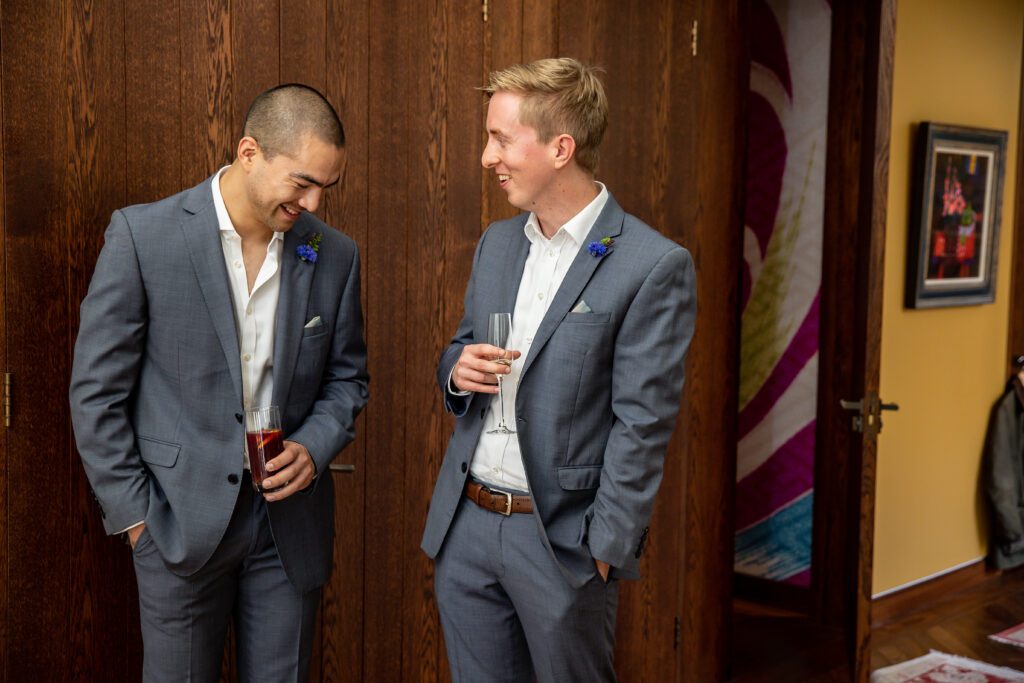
(499, 326)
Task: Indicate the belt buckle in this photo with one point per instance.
(508, 503)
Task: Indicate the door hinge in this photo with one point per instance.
(486, 9)
(7, 399)
(693, 38)
(678, 637)
(869, 413)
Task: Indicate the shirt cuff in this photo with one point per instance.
(451, 387)
(129, 528)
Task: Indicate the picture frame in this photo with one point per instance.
(956, 206)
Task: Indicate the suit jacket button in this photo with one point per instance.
(464, 467)
(232, 478)
(238, 416)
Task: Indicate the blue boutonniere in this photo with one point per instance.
(308, 251)
(601, 247)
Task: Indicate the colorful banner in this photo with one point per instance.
(788, 125)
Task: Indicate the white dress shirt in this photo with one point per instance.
(497, 461)
(255, 312)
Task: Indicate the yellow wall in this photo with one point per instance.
(956, 62)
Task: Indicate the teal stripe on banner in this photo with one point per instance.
(780, 546)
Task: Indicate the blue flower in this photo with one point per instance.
(308, 251)
(601, 247)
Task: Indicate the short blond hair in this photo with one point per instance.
(559, 96)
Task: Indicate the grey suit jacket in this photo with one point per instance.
(156, 389)
(598, 395)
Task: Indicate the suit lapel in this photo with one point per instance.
(202, 235)
(296, 281)
(518, 249)
(608, 224)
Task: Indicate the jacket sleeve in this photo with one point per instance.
(108, 355)
(454, 403)
(647, 381)
(331, 423)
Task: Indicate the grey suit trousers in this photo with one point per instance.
(510, 614)
(185, 619)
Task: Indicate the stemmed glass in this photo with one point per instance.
(499, 326)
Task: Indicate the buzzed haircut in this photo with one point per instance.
(279, 117)
(559, 96)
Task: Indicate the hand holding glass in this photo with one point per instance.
(263, 441)
(499, 327)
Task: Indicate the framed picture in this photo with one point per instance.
(954, 222)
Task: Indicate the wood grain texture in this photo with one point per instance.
(255, 56)
(346, 85)
(389, 178)
(35, 105)
(208, 140)
(722, 74)
(100, 566)
(304, 42)
(427, 223)
(1015, 333)
(503, 47)
(5, 461)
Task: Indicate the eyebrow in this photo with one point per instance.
(299, 175)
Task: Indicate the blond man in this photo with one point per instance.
(531, 527)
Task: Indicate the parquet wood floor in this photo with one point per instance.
(775, 646)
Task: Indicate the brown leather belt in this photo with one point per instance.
(497, 501)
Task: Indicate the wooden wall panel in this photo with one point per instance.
(503, 46)
(255, 57)
(35, 105)
(346, 85)
(101, 566)
(387, 317)
(427, 223)
(208, 140)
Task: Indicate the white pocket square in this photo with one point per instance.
(312, 323)
(581, 307)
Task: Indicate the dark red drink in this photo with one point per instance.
(262, 447)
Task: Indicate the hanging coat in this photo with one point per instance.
(1003, 478)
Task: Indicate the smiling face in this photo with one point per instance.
(279, 190)
(525, 166)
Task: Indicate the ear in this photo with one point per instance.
(564, 149)
(248, 149)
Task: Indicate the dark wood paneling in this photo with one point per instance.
(153, 81)
(255, 56)
(718, 141)
(346, 85)
(392, 69)
(503, 47)
(101, 566)
(304, 42)
(427, 223)
(1015, 336)
(208, 140)
(4, 458)
(540, 29)
(855, 205)
(38, 480)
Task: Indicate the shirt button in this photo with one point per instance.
(238, 264)
(248, 311)
(529, 340)
(540, 295)
(247, 358)
(550, 253)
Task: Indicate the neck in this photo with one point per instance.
(236, 201)
(567, 197)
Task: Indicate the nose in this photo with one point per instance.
(489, 158)
(311, 199)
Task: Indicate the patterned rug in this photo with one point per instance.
(1011, 636)
(938, 667)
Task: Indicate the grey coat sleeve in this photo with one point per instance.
(647, 381)
(107, 358)
(331, 423)
(455, 403)
(1002, 475)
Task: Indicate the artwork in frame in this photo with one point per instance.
(955, 212)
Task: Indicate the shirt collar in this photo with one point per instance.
(223, 218)
(576, 227)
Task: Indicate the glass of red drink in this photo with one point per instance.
(263, 441)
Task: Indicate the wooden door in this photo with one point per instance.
(106, 104)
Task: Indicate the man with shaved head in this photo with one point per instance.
(228, 296)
